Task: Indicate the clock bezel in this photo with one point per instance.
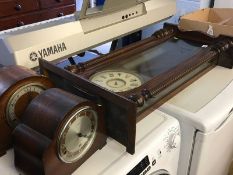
(8, 117)
(65, 125)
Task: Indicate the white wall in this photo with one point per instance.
(223, 3)
(78, 4)
(204, 3)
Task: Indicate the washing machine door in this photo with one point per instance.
(160, 172)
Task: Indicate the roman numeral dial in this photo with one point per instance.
(116, 81)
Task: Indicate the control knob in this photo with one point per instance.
(173, 140)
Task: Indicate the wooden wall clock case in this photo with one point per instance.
(125, 109)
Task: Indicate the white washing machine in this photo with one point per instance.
(157, 152)
(204, 110)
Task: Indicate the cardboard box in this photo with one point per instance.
(211, 21)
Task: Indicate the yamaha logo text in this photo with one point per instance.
(46, 52)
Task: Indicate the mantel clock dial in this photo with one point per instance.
(19, 101)
(65, 130)
(18, 86)
(116, 81)
(77, 135)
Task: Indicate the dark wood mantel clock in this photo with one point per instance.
(59, 131)
(18, 86)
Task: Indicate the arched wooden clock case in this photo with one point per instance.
(44, 143)
(18, 86)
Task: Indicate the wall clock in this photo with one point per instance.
(137, 79)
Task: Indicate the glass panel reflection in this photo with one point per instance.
(159, 59)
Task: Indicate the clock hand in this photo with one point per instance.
(81, 135)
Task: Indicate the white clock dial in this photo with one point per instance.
(116, 81)
(20, 98)
(77, 135)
